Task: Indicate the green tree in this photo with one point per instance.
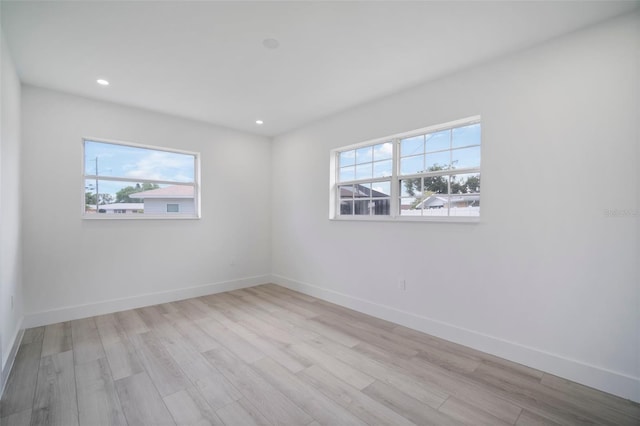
(124, 195)
(90, 198)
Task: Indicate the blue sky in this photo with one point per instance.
(134, 163)
(417, 154)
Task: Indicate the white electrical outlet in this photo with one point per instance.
(402, 284)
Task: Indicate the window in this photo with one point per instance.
(427, 173)
(128, 181)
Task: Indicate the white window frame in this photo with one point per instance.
(196, 184)
(394, 216)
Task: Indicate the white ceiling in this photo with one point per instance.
(205, 60)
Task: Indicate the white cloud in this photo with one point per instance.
(163, 166)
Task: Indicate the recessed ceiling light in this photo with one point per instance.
(270, 43)
(258, 122)
(102, 82)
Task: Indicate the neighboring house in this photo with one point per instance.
(439, 201)
(116, 208)
(175, 199)
(379, 203)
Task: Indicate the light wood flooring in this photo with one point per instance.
(270, 356)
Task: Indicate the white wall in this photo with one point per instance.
(547, 278)
(76, 267)
(10, 212)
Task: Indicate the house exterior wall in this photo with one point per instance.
(158, 206)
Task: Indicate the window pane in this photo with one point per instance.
(465, 184)
(467, 135)
(383, 151)
(410, 187)
(347, 174)
(438, 161)
(435, 202)
(114, 160)
(466, 157)
(347, 158)
(362, 190)
(381, 206)
(465, 195)
(346, 191)
(361, 207)
(132, 197)
(437, 141)
(364, 155)
(411, 165)
(408, 207)
(436, 185)
(436, 205)
(173, 208)
(412, 146)
(382, 168)
(346, 207)
(364, 171)
(381, 189)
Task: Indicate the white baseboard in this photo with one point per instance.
(69, 313)
(606, 380)
(11, 357)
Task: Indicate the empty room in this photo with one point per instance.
(320, 213)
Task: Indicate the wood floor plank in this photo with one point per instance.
(305, 396)
(131, 322)
(23, 418)
(273, 405)
(87, 345)
(528, 418)
(192, 309)
(242, 413)
(282, 302)
(230, 340)
(406, 406)
(110, 329)
(32, 335)
(123, 359)
(537, 398)
(21, 385)
(98, 402)
(422, 391)
(268, 355)
(468, 414)
(141, 403)
(55, 401)
(347, 373)
(366, 336)
(290, 329)
(442, 379)
(200, 340)
(292, 363)
(595, 397)
(161, 367)
(213, 386)
(361, 405)
(189, 408)
(57, 338)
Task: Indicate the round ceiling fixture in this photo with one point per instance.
(270, 43)
(102, 82)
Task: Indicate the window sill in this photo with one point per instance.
(136, 217)
(401, 219)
